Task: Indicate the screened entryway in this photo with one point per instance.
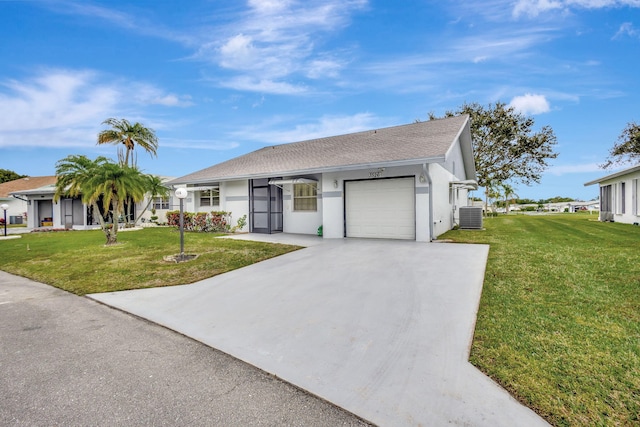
(72, 212)
(265, 207)
(606, 203)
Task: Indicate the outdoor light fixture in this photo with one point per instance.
(181, 193)
(4, 207)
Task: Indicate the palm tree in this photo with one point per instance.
(491, 191)
(100, 180)
(154, 189)
(128, 134)
(509, 194)
(124, 132)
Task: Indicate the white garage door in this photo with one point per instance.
(381, 208)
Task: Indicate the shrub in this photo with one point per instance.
(212, 222)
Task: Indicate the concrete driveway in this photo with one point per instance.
(69, 361)
(379, 328)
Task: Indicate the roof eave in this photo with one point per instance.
(310, 171)
(613, 175)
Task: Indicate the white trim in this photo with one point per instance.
(206, 188)
(292, 181)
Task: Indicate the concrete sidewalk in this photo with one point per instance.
(380, 328)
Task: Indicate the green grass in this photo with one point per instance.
(78, 261)
(559, 318)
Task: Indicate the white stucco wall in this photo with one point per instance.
(454, 162)
(333, 198)
(234, 198)
(625, 209)
(17, 208)
(442, 206)
(301, 222)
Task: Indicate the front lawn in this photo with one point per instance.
(78, 261)
(559, 319)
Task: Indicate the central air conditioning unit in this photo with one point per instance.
(471, 217)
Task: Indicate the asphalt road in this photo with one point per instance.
(66, 360)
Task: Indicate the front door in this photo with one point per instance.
(265, 207)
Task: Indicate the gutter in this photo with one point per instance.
(20, 198)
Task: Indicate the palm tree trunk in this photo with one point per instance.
(112, 232)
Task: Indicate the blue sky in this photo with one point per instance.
(217, 79)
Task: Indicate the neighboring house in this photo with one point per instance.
(401, 182)
(70, 212)
(619, 199)
(18, 206)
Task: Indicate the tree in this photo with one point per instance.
(506, 148)
(102, 184)
(627, 148)
(128, 134)
(509, 195)
(7, 175)
(123, 132)
(154, 189)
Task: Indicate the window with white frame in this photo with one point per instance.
(623, 197)
(209, 198)
(161, 203)
(305, 197)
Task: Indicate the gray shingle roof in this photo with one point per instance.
(417, 142)
(614, 175)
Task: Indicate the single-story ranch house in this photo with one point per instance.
(619, 193)
(401, 182)
(70, 212)
(18, 210)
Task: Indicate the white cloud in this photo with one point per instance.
(66, 107)
(627, 29)
(323, 68)
(325, 126)
(560, 170)
(269, 6)
(254, 84)
(530, 104)
(120, 18)
(536, 7)
(145, 94)
(275, 40)
(54, 99)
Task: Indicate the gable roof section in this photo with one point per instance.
(614, 175)
(22, 184)
(422, 142)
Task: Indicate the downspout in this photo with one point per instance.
(425, 169)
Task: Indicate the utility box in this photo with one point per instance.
(15, 219)
(471, 217)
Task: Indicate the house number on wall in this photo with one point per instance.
(377, 174)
